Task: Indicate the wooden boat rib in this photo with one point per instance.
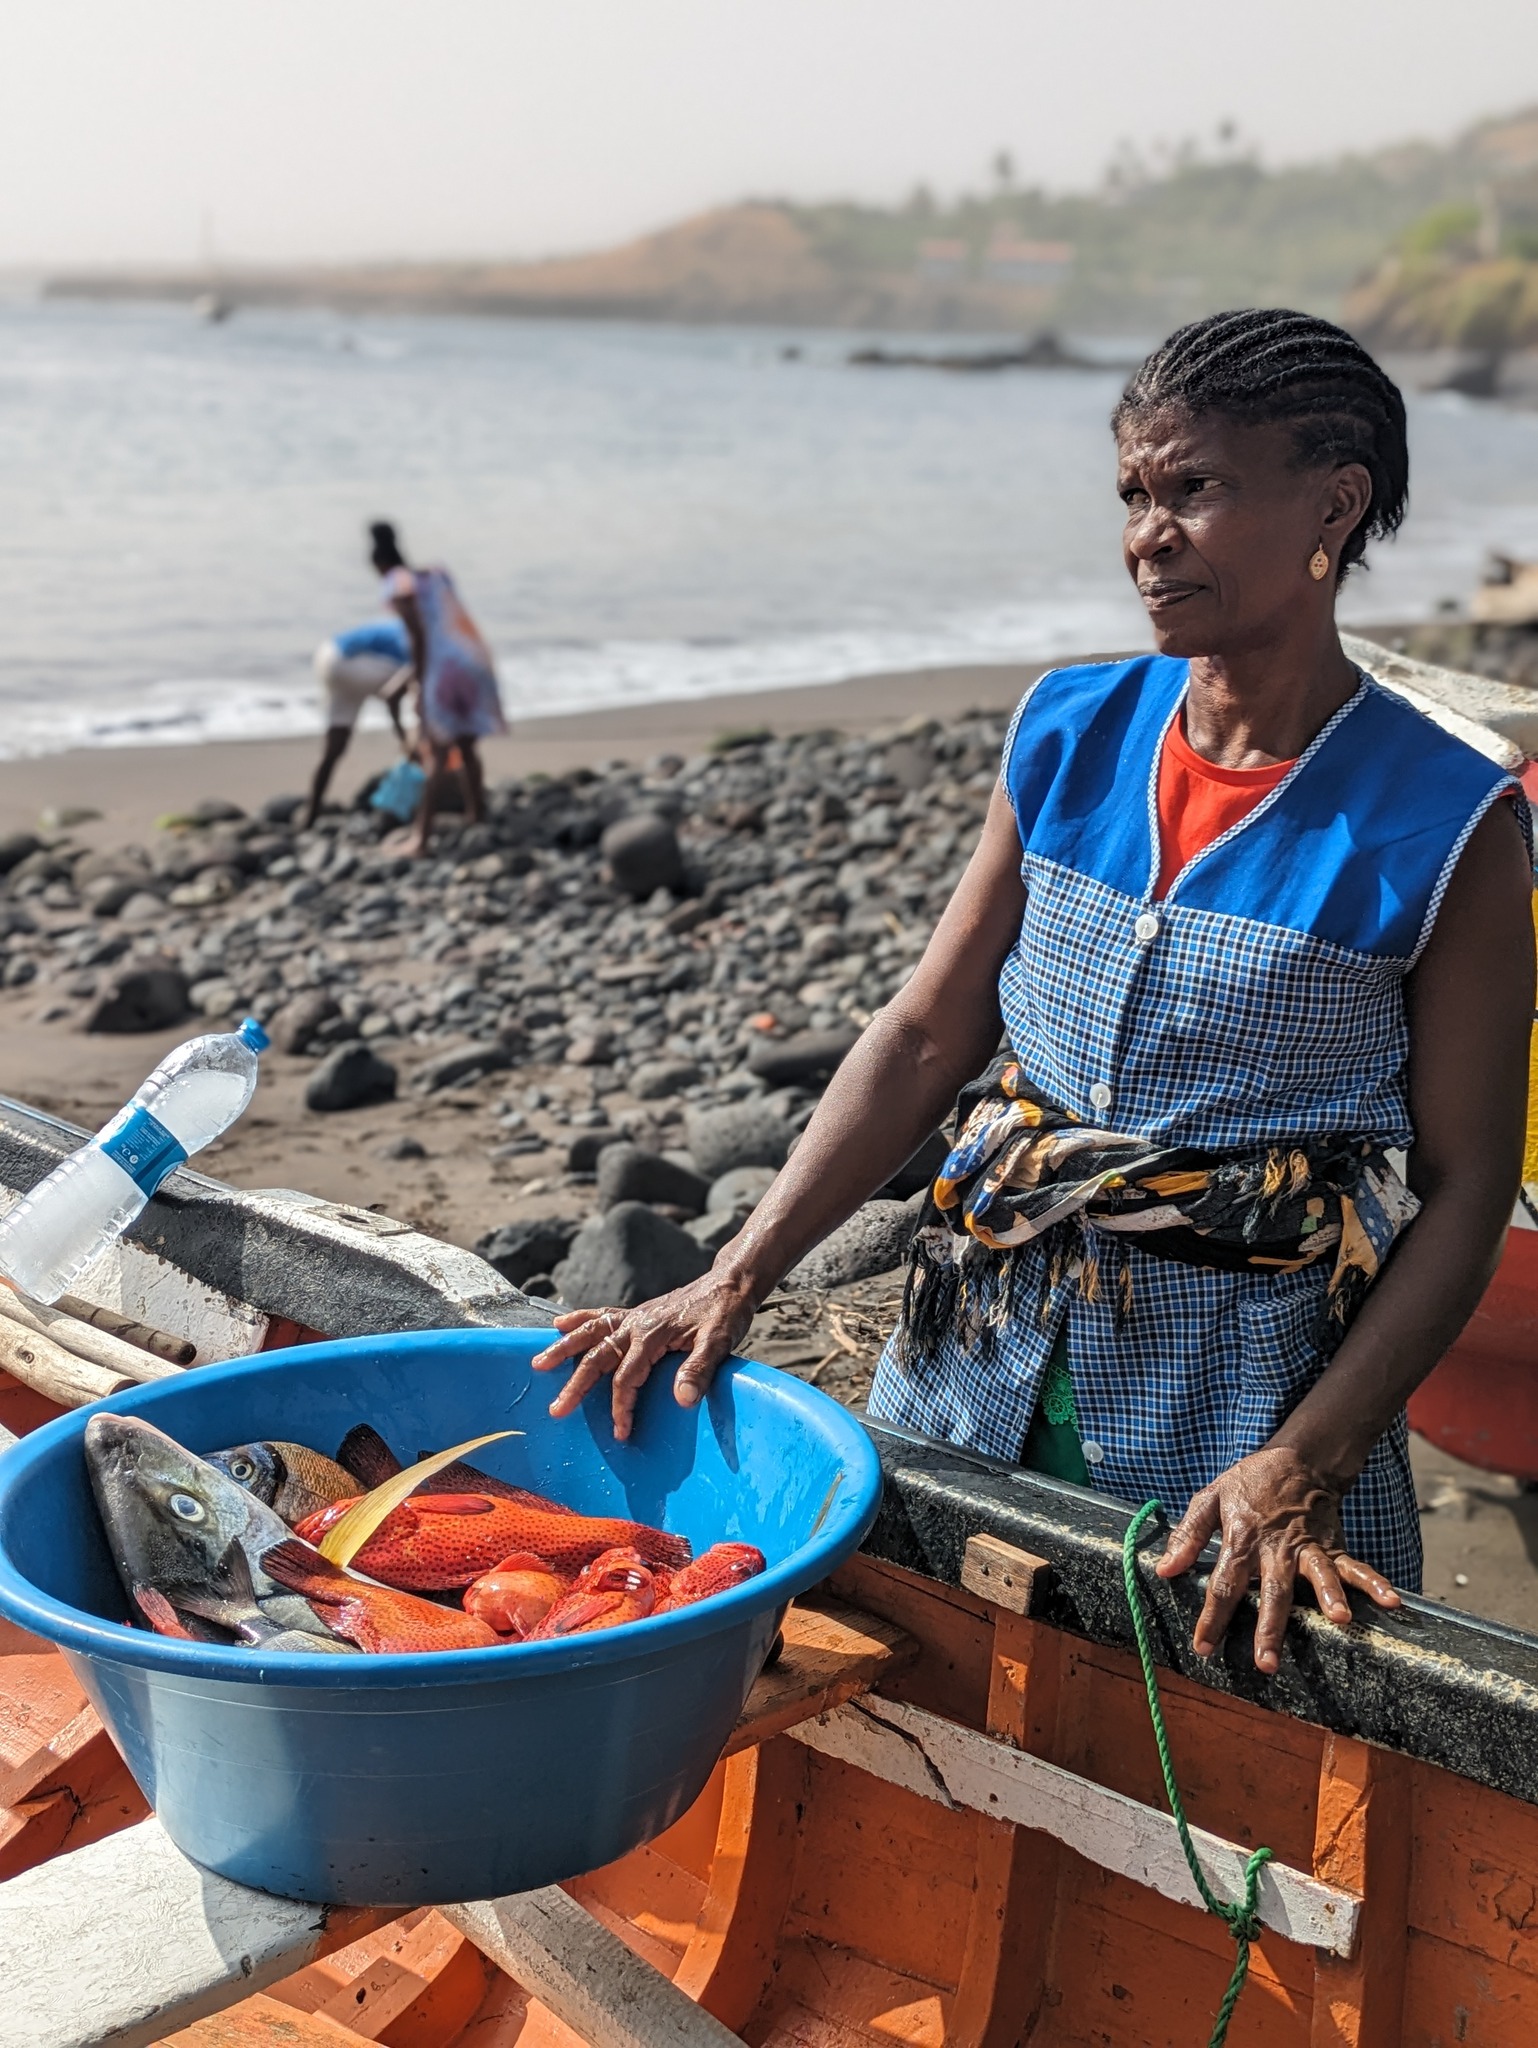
(940, 1820)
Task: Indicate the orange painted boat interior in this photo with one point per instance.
(810, 1905)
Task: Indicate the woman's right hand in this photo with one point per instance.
(707, 1320)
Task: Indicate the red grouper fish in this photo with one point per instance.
(376, 1618)
(516, 1594)
(364, 1454)
(720, 1568)
(440, 1542)
(615, 1588)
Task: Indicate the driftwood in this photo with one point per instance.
(58, 1375)
(98, 1346)
(174, 1350)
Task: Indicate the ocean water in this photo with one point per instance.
(632, 512)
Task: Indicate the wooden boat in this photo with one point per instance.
(939, 1821)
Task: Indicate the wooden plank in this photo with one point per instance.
(96, 1346)
(1005, 1970)
(831, 1653)
(1363, 1841)
(586, 1976)
(734, 1950)
(48, 1369)
(127, 1940)
(1002, 1574)
(263, 2022)
(959, 1768)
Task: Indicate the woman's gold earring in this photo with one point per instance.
(1319, 564)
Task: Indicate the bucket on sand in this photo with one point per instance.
(413, 1780)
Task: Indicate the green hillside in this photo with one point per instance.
(1157, 244)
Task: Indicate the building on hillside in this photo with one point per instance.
(1009, 260)
(942, 260)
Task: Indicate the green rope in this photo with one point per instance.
(1243, 1916)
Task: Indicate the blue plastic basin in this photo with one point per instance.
(411, 1780)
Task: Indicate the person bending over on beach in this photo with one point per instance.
(371, 660)
(456, 682)
(1249, 924)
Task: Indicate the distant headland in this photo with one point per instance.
(1383, 240)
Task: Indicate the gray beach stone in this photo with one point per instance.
(651, 1080)
(715, 1228)
(642, 854)
(806, 1056)
(151, 997)
(740, 1191)
(350, 1078)
(296, 1023)
(468, 1063)
(530, 1246)
(874, 1240)
(738, 1134)
(629, 1173)
(140, 906)
(627, 1255)
(16, 847)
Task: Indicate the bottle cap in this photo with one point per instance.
(254, 1035)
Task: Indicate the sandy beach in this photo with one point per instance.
(132, 786)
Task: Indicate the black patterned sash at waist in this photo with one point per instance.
(1022, 1168)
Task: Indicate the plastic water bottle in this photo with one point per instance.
(49, 1237)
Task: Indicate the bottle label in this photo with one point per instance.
(142, 1146)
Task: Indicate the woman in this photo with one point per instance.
(1248, 921)
(371, 660)
(457, 683)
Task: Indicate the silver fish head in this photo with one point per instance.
(171, 1517)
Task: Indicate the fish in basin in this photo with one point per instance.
(229, 1613)
(441, 1542)
(175, 1525)
(369, 1462)
(374, 1617)
(291, 1479)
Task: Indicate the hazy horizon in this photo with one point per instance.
(267, 131)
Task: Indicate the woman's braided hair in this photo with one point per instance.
(1267, 365)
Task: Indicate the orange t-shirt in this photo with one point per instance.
(1199, 802)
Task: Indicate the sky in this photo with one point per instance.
(267, 130)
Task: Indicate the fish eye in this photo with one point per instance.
(185, 1507)
(242, 1468)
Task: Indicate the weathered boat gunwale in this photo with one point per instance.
(346, 1272)
(1432, 1684)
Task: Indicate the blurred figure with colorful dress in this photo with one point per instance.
(457, 696)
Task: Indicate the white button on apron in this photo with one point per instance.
(1093, 1452)
(1146, 928)
(1100, 1095)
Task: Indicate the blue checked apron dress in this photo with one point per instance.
(1262, 999)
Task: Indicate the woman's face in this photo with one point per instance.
(1221, 524)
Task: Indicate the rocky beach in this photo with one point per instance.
(580, 1037)
(584, 1034)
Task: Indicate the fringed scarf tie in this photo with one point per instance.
(1022, 1167)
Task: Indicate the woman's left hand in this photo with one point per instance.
(1279, 1519)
